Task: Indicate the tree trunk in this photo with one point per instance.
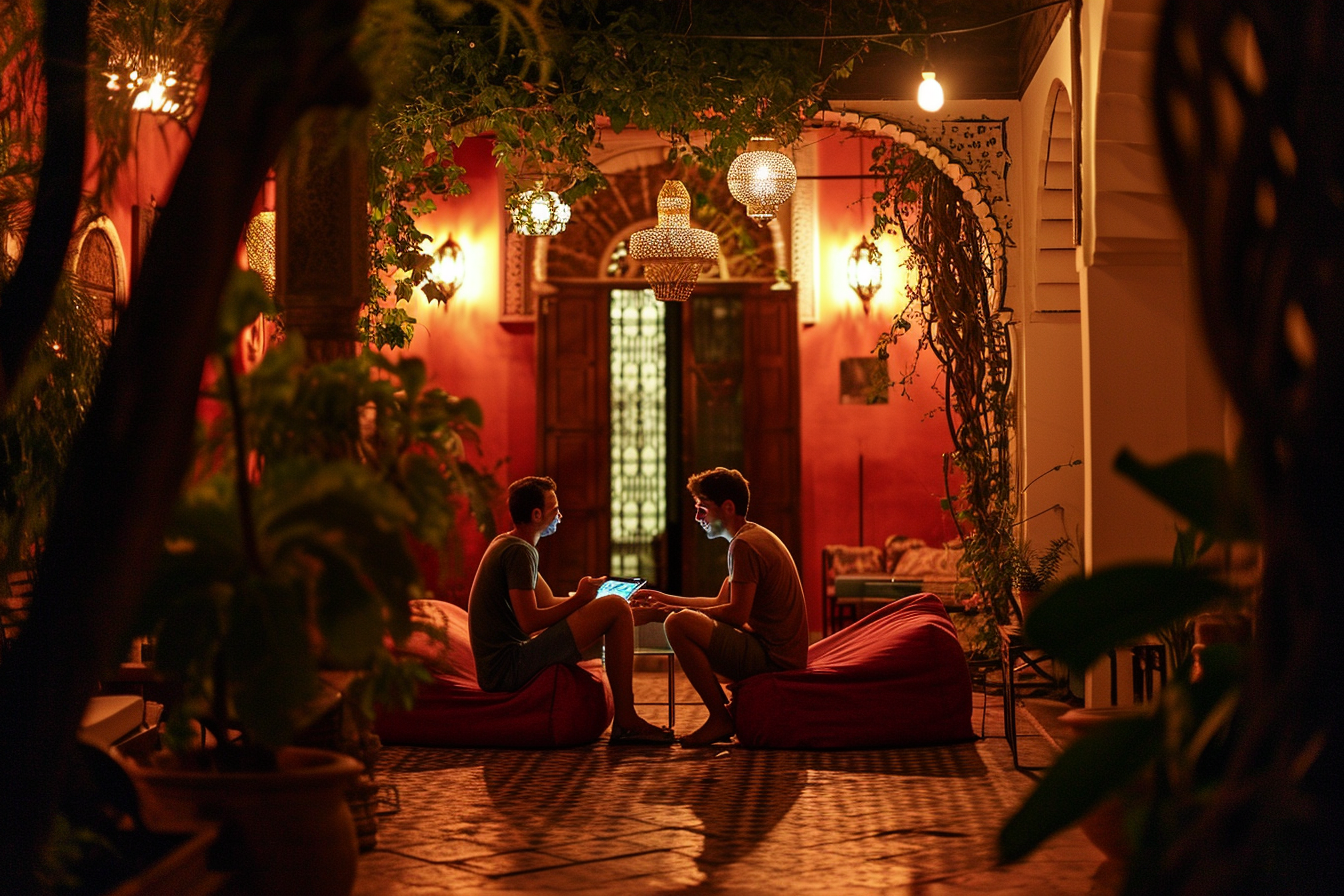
(274, 61)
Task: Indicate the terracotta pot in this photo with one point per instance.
(294, 828)
(1105, 824)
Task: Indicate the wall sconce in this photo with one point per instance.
(447, 273)
(865, 271)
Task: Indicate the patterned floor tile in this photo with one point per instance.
(610, 820)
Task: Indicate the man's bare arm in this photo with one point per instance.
(545, 596)
(649, 596)
(533, 618)
(737, 610)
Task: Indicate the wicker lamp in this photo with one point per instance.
(673, 252)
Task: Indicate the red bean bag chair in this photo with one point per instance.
(563, 706)
(895, 678)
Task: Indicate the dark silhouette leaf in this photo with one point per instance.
(1093, 767)
(1202, 487)
(1083, 618)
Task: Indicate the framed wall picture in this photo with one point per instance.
(863, 380)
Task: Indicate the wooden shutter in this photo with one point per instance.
(770, 411)
(573, 381)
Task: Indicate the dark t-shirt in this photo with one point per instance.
(509, 562)
(779, 610)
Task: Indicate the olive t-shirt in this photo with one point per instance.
(509, 562)
(779, 610)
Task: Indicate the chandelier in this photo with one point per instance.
(447, 273)
(537, 212)
(260, 241)
(762, 180)
(153, 86)
(865, 271)
(673, 252)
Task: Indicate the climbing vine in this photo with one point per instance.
(957, 298)
(549, 79)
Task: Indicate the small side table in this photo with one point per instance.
(671, 657)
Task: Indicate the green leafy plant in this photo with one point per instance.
(548, 80)
(955, 296)
(289, 553)
(1031, 570)
(1168, 761)
(39, 422)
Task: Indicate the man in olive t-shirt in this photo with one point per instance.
(757, 622)
(518, 626)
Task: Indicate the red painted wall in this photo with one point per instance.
(902, 442)
(469, 352)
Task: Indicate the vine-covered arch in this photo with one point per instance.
(957, 251)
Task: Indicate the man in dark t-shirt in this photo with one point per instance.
(757, 622)
(518, 626)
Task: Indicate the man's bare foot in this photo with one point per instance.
(714, 731)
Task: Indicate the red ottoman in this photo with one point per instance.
(895, 678)
(562, 707)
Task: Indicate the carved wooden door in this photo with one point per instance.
(573, 330)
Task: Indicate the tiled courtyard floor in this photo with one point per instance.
(655, 819)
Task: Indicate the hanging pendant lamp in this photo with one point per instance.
(673, 252)
(762, 180)
(260, 242)
(538, 212)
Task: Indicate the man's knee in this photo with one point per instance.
(689, 625)
(612, 606)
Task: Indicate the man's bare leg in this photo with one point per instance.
(689, 634)
(609, 615)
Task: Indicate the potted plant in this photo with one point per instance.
(1136, 780)
(288, 555)
(1032, 572)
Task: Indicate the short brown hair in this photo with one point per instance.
(722, 484)
(528, 494)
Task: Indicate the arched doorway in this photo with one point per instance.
(635, 395)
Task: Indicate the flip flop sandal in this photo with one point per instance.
(659, 737)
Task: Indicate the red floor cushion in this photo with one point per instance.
(895, 678)
(562, 707)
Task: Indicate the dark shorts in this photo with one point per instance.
(736, 654)
(521, 663)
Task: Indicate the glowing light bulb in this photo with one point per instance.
(541, 212)
(930, 96)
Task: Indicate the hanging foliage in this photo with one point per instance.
(957, 298)
(549, 79)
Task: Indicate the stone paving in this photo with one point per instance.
(656, 819)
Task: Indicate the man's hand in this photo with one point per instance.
(647, 597)
(587, 589)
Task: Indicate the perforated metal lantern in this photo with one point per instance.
(447, 273)
(537, 212)
(260, 243)
(762, 180)
(153, 85)
(674, 252)
(865, 271)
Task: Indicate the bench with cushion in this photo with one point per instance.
(895, 678)
(563, 706)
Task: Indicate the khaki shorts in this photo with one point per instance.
(736, 654)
